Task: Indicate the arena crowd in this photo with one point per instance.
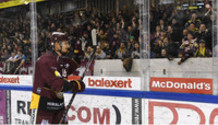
(173, 34)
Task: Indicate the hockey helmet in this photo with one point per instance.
(58, 37)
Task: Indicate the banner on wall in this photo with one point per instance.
(119, 83)
(182, 85)
(86, 109)
(16, 80)
(2, 107)
(180, 112)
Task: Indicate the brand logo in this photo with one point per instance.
(177, 110)
(110, 83)
(186, 85)
(94, 115)
(136, 111)
(14, 80)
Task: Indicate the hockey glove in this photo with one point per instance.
(78, 86)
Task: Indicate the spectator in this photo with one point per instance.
(108, 50)
(121, 52)
(204, 33)
(100, 54)
(156, 34)
(5, 55)
(18, 62)
(192, 28)
(112, 29)
(88, 52)
(162, 24)
(130, 44)
(136, 51)
(202, 51)
(188, 48)
(172, 34)
(163, 53)
(194, 20)
(131, 32)
(185, 34)
(9, 63)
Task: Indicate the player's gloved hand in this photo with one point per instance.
(78, 86)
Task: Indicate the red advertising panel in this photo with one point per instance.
(182, 85)
(181, 113)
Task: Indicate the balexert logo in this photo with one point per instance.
(15, 80)
(183, 85)
(110, 83)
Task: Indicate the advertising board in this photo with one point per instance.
(121, 83)
(16, 80)
(86, 109)
(180, 112)
(182, 85)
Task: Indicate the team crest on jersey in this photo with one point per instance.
(39, 90)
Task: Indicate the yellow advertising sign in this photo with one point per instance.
(12, 3)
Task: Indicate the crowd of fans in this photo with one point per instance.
(174, 33)
(181, 33)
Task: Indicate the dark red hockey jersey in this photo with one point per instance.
(50, 72)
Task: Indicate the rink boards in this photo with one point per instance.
(118, 106)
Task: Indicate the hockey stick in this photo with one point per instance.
(91, 58)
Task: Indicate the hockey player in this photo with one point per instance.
(51, 71)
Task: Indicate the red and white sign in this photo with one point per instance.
(86, 109)
(181, 113)
(16, 80)
(183, 85)
(101, 110)
(121, 83)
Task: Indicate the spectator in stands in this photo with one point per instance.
(202, 51)
(108, 50)
(88, 52)
(171, 49)
(130, 44)
(76, 19)
(112, 29)
(131, 32)
(121, 52)
(184, 35)
(100, 54)
(9, 63)
(162, 24)
(18, 62)
(192, 28)
(194, 20)
(188, 48)
(136, 51)
(176, 26)
(163, 53)
(172, 34)
(5, 55)
(204, 33)
(156, 34)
